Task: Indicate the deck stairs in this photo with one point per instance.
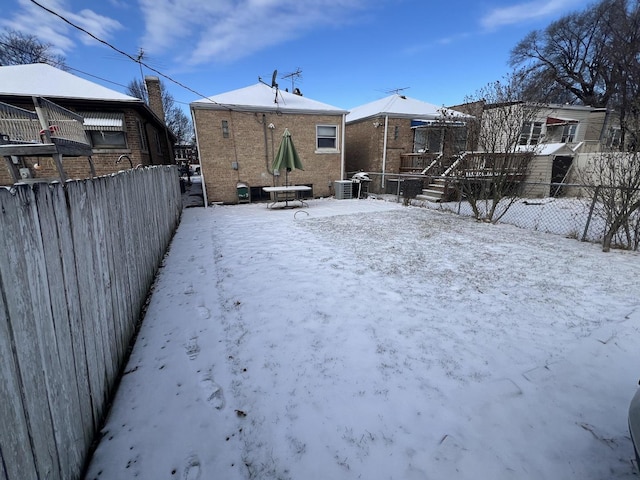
(435, 191)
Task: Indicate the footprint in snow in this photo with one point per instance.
(212, 392)
(192, 348)
(193, 470)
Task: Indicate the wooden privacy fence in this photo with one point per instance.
(76, 264)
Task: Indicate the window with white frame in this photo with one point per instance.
(569, 133)
(327, 137)
(530, 133)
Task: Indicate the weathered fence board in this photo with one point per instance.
(30, 326)
(16, 453)
(68, 424)
(76, 264)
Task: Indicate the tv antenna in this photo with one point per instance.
(139, 58)
(396, 90)
(293, 76)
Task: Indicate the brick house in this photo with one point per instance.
(123, 131)
(238, 134)
(398, 134)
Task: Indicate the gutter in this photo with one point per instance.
(342, 150)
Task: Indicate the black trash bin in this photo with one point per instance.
(411, 187)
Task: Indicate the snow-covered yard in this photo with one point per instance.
(360, 339)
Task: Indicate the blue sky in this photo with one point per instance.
(349, 52)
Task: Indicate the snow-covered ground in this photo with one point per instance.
(360, 339)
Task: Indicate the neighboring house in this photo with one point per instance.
(185, 153)
(398, 134)
(123, 132)
(186, 157)
(560, 135)
(238, 134)
(562, 132)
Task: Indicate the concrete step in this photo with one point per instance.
(434, 192)
(429, 197)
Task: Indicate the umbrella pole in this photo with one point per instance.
(286, 184)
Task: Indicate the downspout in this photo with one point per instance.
(343, 144)
(202, 169)
(384, 149)
(266, 147)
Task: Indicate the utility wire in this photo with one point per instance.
(130, 57)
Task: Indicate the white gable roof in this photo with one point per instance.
(400, 106)
(261, 97)
(43, 80)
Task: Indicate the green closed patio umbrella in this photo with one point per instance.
(286, 158)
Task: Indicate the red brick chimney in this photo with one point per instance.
(155, 96)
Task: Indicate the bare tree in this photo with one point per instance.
(568, 57)
(622, 49)
(490, 176)
(175, 118)
(613, 180)
(17, 48)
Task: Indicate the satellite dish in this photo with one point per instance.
(273, 79)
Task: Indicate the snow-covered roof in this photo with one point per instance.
(261, 97)
(43, 80)
(401, 106)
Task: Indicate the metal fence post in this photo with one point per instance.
(593, 204)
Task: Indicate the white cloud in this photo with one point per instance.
(230, 29)
(526, 11)
(99, 25)
(54, 30)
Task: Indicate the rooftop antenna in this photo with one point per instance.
(274, 84)
(293, 76)
(396, 90)
(139, 58)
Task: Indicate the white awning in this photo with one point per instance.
(105, 121)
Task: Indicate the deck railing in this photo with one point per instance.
(48, 124)
(61, 123)
(19, 125)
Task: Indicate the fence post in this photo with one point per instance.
(593, 204)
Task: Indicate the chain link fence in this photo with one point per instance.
(583, 212)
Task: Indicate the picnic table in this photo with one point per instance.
(284, 193)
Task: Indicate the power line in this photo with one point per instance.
(130, 57)
(95, 76)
